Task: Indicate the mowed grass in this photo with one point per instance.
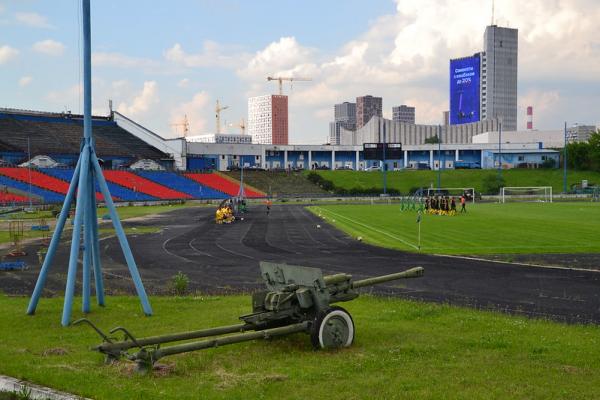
(407, 180)
(403, 350)
(525, 228)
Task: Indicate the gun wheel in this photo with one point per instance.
(333, 328)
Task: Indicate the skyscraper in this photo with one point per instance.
(268, 119)
(345, 112)
(367, 107)
(403, 113)
(499, 68)
(344, 117)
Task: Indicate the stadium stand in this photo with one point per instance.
(47, 195)
(118, 192)
(39, 179)
(59, 136)
(139, 184)
(8, 198)
(224, 184)
(183, 184)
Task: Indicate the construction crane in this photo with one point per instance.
(185, 124)
(218, 110)
(280, 79)
(241, 125)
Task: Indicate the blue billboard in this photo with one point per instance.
(464, 90)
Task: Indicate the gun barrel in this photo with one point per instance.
(409, 273)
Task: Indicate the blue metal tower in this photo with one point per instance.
(82, 185)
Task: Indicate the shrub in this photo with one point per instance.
(180, 283)
(492, 183)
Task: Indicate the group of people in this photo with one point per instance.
(224, 214)
(444, 205)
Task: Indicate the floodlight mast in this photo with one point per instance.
(87, 170)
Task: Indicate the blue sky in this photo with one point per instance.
(160, 60)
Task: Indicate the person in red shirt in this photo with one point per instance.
(463, 203)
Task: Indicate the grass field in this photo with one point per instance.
(124, 213)
(524, 228)
(404, 181)
(402, 350)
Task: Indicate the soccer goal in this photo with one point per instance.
(526, 193)
(469, 193)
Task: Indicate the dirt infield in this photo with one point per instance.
(224, 258)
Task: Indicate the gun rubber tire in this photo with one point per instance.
(332, 329)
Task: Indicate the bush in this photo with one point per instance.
(180, 283)
(549, 163)
(492, 184)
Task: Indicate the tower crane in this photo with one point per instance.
(218, 110)
(185, 124)
(280, 79)
(241, 125)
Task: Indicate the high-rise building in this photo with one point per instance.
(499, 69)
(344, 117)
(446, 117)
(403, 113)
(345, 112)
(268, 119)
(367, 107)
(580, 133)
(465, 89)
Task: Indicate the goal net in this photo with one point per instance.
(469, 193)
(527, 194)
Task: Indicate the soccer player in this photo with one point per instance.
(452, 206)
(463, 201)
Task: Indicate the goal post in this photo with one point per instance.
(542, 194)
(455, 192)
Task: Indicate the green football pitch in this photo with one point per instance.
(525, 228)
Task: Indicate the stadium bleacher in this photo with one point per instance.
(139, 184)
(39, 179)
(55, 134)
(118, 192)
(9, 198)
(183, 184)
(47, 195)
(223, 184)
(26, 134)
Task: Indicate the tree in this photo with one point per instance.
(432, 140)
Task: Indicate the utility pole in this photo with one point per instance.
(565, 162)
(384, 166)
(439, 181)
(499, 150)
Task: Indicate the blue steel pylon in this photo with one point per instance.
(86, 173)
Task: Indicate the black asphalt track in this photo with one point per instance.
(224, 258)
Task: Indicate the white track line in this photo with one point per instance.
(517, 263)
(370, 227)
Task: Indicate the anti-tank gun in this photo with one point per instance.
(297, 299)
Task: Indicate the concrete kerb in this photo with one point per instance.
(9, 384)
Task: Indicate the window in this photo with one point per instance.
(521, 158)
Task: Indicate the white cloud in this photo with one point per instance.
(185, 82)
(197, 111)
(49, 47)
(33, 20)
(142, 102)
(7, 54)
(25, 80)
(285, 57)
(212, 55)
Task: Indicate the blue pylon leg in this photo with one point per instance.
(60, 224)
(87, 247)
(96, 249)
(133, 270)
(82, 199)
